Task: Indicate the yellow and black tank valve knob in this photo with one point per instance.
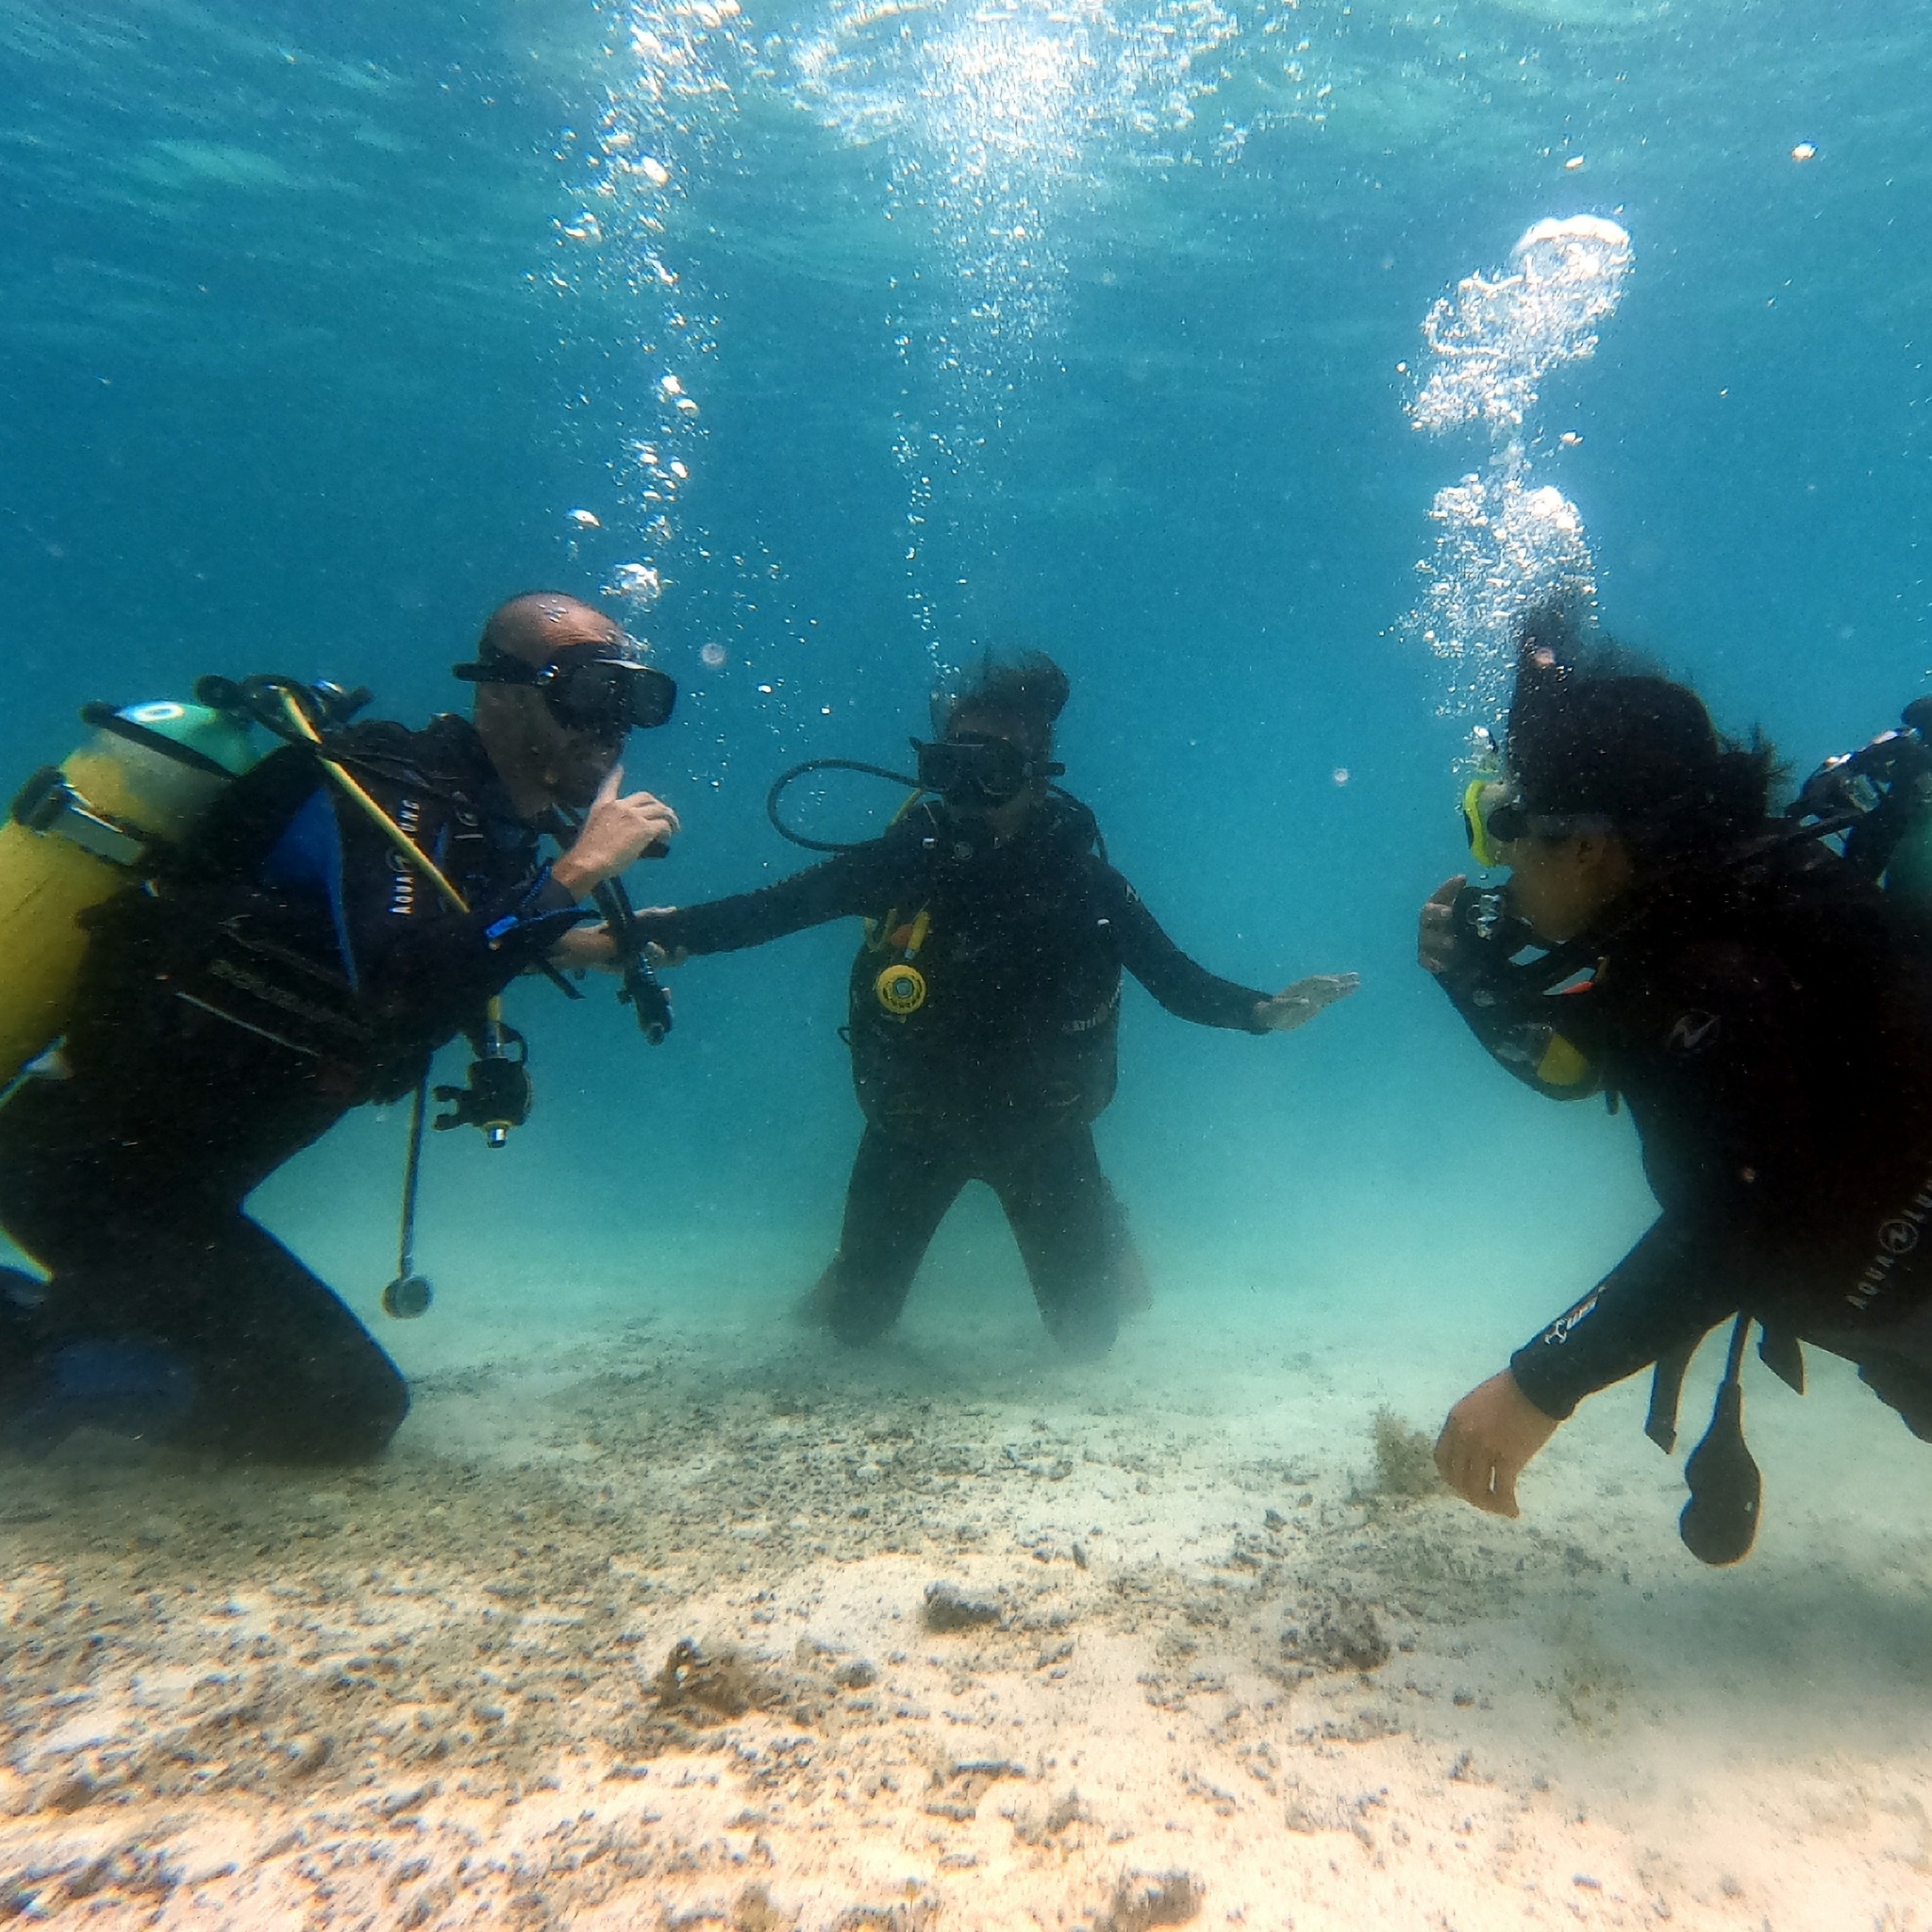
(901, 989)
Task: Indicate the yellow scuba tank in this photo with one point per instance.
(81, 830)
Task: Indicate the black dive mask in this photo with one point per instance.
(597, 688)
(974, 770)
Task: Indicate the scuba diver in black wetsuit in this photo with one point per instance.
(985, 1005)
(290, 962)
(1764, 1009)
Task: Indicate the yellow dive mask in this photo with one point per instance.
(1494, 815)
(1483, 798)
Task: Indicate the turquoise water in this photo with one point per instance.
(305, 369)
(1093, 328)
(1089, 329)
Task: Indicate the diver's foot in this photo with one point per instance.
(21, 1297)
(134, 1389)
(813, 1309)
(1086, 1330)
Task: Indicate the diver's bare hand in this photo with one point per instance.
(1295, 1006)
(663, 958)
(1435, 944)
(617, 831)
(590, 948)
(1491, 1434)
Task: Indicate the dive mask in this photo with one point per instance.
(1494, 815)
(599, 688)
(1485, 799)
(975, 769)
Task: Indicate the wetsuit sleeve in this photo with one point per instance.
(838, 888)
(438, 966)
(1184, 986)
(1717, 1050)
(1539, 1039)
(1675, 1284)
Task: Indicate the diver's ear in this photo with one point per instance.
(1594, 851)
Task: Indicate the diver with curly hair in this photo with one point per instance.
(1763, 1009)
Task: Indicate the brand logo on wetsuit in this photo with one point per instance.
(1898, 1236)
(1693, 1032)
(1561, 1329)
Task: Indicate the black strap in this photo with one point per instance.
(106, 718)
(1666, 1392)
(1781, 1351)
(412, 1174)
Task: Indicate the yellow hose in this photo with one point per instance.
(359, 798)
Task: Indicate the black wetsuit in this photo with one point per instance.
(999, 1069)
(287, 966)
(1768, 1022)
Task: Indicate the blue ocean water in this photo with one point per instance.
(1086, 329)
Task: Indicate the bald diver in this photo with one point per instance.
(984, 1008)
(1763, 1009)
(349, 904)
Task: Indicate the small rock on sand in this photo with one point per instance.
(948, 1608)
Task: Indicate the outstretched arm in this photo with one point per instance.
(1189, 990)
(835, 889)
(1182, 985)
(1675, 1284)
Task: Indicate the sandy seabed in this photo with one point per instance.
(634, 1630)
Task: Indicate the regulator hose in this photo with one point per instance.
(798, 772)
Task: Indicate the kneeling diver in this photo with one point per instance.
(985, 1007)
(343, 907)
(1766, 1012)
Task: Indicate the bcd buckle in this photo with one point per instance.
(47, 804)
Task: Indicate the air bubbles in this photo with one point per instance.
(639, 582)
(585, 520)
(715, 656)
(1505, 543)
(1497, 338)
(1340, 775)
(1804, 152)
